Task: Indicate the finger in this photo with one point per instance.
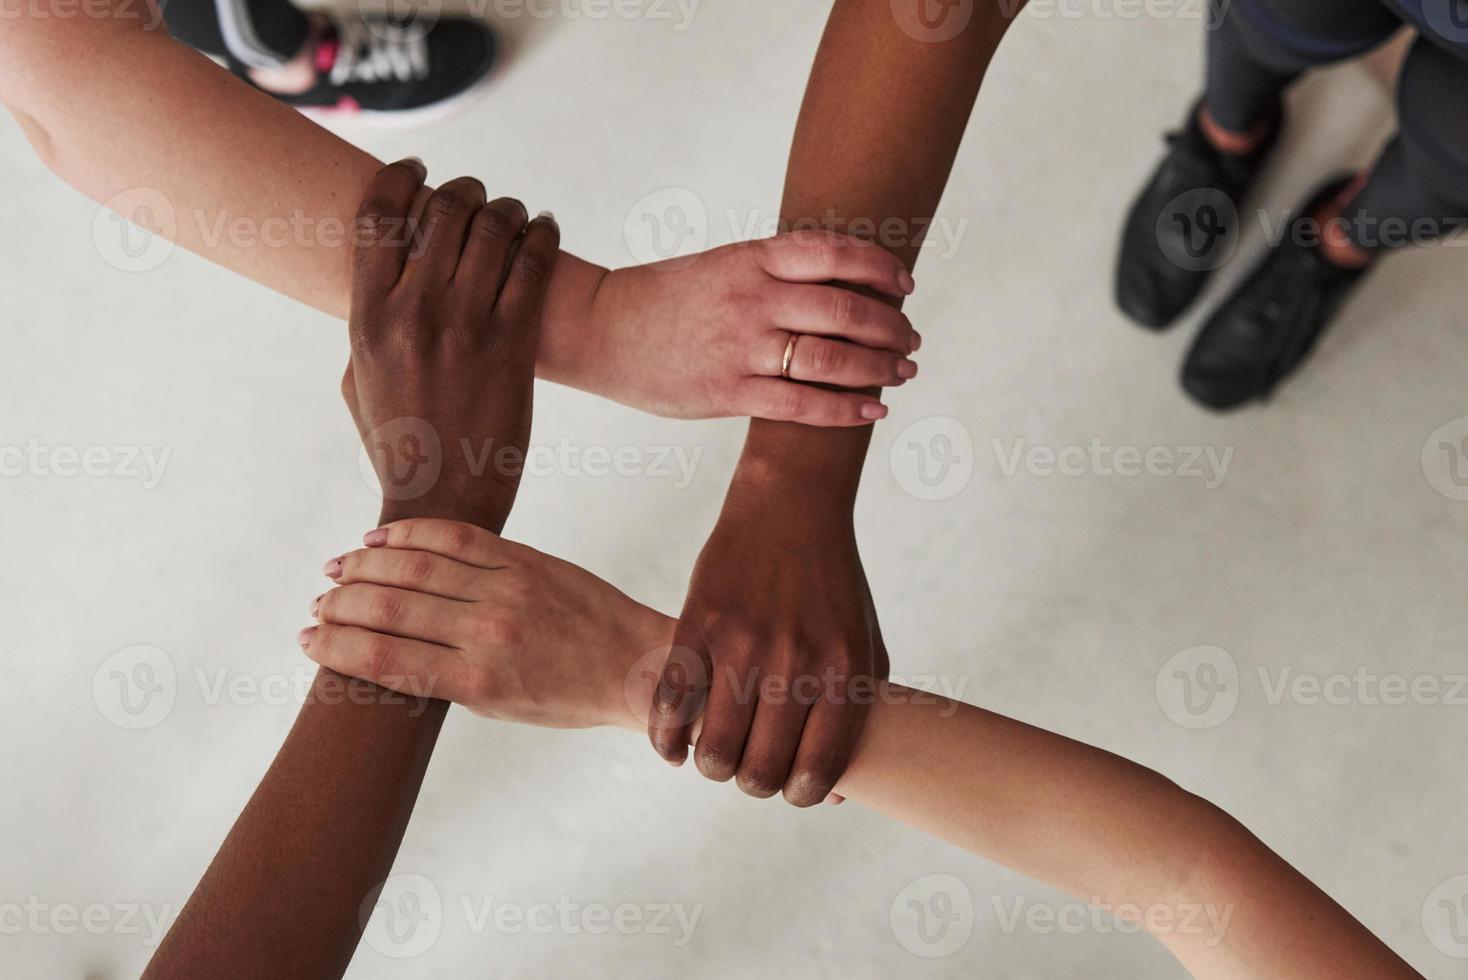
(442, 229)
(418, 571)
(791, 401)
(831, 311)
(835, 362)
(467, 543)
(425, 670)
(726, 718)
(380, 240)
(774, 739)
(679, 699)
(523, 296)
(824, 256)
(826, 747)
(395, 611)
(493, 233)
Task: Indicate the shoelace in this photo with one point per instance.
(382, 52)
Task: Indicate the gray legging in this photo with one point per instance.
(1418, 188)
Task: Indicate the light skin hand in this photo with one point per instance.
(505, 630)
(705, 336)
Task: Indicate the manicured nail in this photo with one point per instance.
(333, 568)
(872, 411)
(316, 604)
(906, 282)
(375, 538)
(304, 637)
(917, 341)
(549, 217)
(906, 369)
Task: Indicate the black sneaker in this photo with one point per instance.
(1185, 223)
(391, 71)
(1264, 330)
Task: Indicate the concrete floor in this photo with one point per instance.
(1326, 549)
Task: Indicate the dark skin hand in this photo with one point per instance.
(444, 333)
(783, 673)
(779, 586)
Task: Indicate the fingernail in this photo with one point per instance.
(304, 637)
(333, 568)
(906, 282)
(316, 604)
(375, 538)
(917, 340)
(906, 369)
(417, 162)
(549, 217)
(872, 411)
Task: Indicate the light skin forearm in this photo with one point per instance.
(1092, 824)
(249, 182)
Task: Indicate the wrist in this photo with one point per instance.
(642, 644)
(796, 465)
(481, 513)
(570, 335)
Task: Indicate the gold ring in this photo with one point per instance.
(789, 356)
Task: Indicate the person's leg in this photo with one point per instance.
(1184, 224)
(1415, 193)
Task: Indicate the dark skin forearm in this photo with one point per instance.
(284, 898)
(287, 896)
(881, 123)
